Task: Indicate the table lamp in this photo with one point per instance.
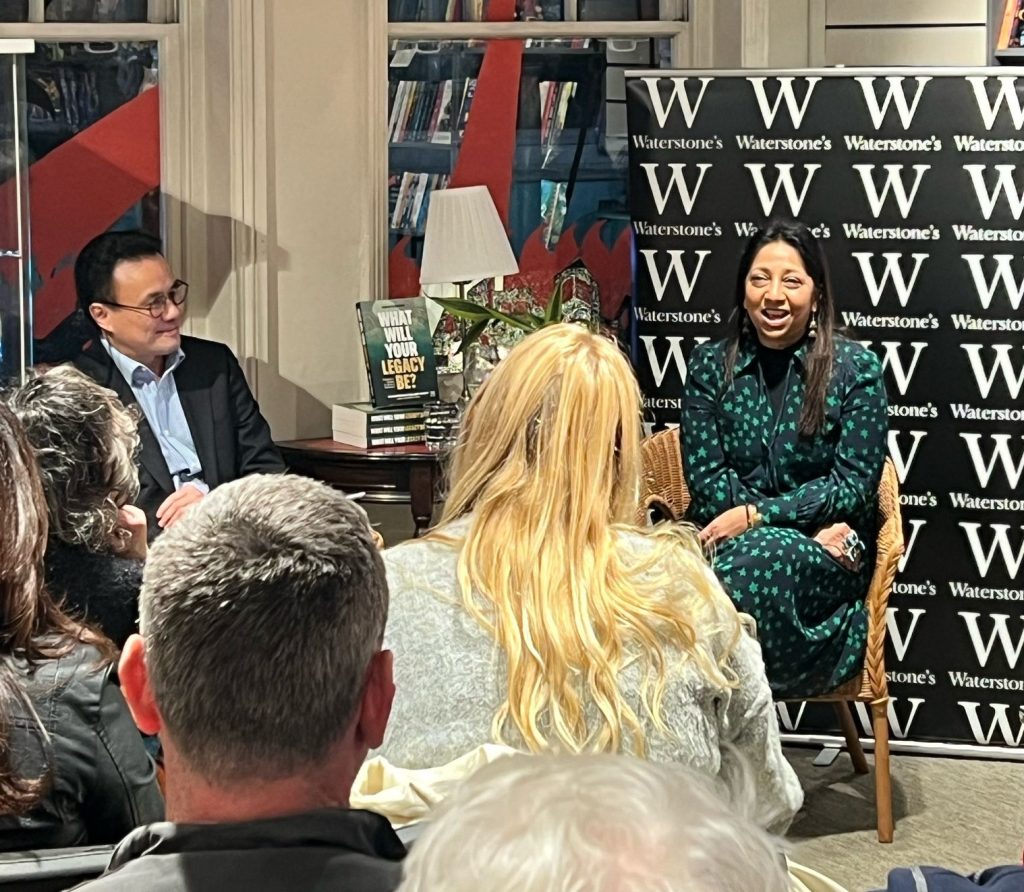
(464, 240)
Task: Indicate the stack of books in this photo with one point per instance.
(359, 424)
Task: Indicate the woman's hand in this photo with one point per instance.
(831, 538)
(729, 523)
(133, 521)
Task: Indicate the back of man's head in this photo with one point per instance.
(261, 611)
(604, 823)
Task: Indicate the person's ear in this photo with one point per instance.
(100, 315)
(378, 695)
(135, 685)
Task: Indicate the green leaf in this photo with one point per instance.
(473, 333)
(553, 312)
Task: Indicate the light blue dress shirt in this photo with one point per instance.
(158, 398)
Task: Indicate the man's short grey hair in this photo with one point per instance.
(604, 823)
(85, 442)
(261, 609)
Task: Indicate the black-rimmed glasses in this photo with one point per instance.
(176, 295)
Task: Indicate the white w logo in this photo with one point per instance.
(901, 642)
(673, 356)
(1007, 93)
(785, 181)
(790, 722)
(899, 729)
(915, 528)
(893, 183)
(1004, 183)
(675, 269)
(796, 112)
(677, 96)
(1000, 633)
(892, 271)
(902, 462)
(677, 183)
(1001, 454)
(892, 361)
(1002, 364)
(894, 95)
(1000, 720)
(986, 288)
(1000, 543)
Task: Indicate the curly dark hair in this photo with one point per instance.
(32, 626)
(85, 442)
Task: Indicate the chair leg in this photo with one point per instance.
(856, 751)
(883, 785)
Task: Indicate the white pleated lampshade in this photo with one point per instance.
(465, 239)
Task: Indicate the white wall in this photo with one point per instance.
(901, 32)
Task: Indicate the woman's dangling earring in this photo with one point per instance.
(812, 329)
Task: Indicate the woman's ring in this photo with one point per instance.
(852, 547)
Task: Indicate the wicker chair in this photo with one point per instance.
(664, 490)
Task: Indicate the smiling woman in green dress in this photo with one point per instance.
(784, 435)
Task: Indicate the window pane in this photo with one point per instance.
(15, 299)
(567, 204)
(94, 145)
(469, 10)
(96, 10)
(13, 10)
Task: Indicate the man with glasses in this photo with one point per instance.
(201, 425)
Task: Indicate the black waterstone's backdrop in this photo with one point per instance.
(914, 182)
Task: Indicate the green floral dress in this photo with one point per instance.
(738, 450)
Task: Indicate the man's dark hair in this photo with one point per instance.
(94, 268)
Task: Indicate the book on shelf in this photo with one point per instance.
(421, 111)
(398, 351)
(409, 197)
(359, 424)
(554, 108)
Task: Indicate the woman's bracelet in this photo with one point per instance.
(754, 517)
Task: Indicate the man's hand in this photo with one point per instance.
(729, 523)
(133, 521)
(176, 504)
(831, 539)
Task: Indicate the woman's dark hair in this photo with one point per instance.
(818, 362)
(32, 626)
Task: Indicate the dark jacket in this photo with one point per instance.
(938, 879)
(333, 848)
(231, 437)
(103, 784)
(100, 589)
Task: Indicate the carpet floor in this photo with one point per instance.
(958, 813)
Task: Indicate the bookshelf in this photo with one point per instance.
(1012, 55)
(569, 165)
(559, 117)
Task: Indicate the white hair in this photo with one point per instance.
(601, 823)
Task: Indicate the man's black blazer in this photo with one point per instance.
(231, 437)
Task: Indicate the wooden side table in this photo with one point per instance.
(394, 474)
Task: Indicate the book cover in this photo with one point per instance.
(376, 442)
(363, 420)
(398, 351)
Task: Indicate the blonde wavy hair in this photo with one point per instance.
(548, 462)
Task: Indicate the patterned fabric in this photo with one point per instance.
(737, 451)
(451, 680)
